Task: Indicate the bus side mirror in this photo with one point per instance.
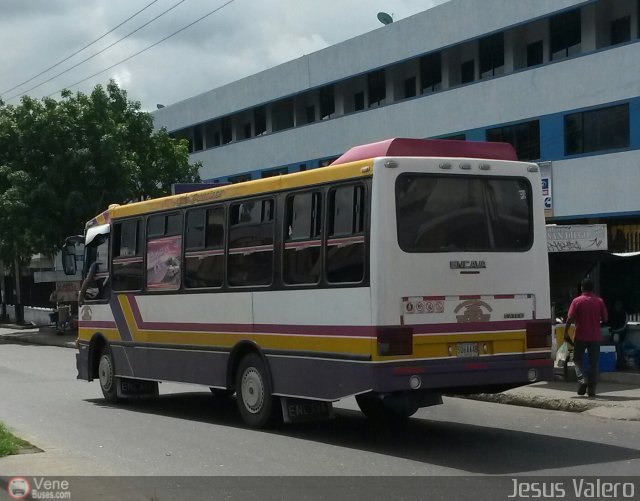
(69, 260)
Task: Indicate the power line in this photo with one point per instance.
(79, 50)
(145, 49)
(99, 52)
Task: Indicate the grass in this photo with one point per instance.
(10, 444)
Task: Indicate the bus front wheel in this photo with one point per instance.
(384, 410)
(258, 407)
(107, 375)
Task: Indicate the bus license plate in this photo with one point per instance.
(297, 410)
(468, 349)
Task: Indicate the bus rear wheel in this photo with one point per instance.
(257, 406)
(377, 409)
(107, 376)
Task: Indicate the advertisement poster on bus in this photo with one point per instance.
(163, 263)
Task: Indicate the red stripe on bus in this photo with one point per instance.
(303, 245)
(204, 253)
(97, 324)
(250, 250)
(504, 296)
(450, 328)
(345, 241)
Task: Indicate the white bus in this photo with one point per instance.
(405, 270)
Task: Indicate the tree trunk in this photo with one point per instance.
(19, 310)
(3, 293)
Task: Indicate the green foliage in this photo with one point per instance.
(9, 444)
(62, 162)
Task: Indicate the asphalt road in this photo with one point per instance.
(186, 431)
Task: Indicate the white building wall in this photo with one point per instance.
(436, 28)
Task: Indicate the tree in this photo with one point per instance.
(64, 161)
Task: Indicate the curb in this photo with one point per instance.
(590, 407)
(38, 338)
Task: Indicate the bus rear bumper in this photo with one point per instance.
(462, 376)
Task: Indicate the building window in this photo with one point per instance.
(327, 102)
(227, 134)
(621, 30)
(310, 114)
(467, 72)
(377, 88)
(204, 248)
(491, 51)
(409, 87)
(303, 239)
(597, 130)
(250, 260)
(345, 259)
(275, 172)
(127, 256)
(565, 34)
(247, 130)
(211, 135)
(260, 120)
(535, 53)
(282, 114)
(524, 137)
(358, 101)
(431, 72)
(198, 143)
(164, 251)
(455, 137)
(240, 178)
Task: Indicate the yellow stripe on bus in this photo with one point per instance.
(86, 333)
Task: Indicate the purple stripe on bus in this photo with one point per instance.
(120, 319)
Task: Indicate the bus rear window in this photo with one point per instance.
(449, 213)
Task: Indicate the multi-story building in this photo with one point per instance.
(559, 79)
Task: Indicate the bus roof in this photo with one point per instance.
(405, 147)
(350, 165)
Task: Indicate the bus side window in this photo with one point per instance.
(96, 285)
(204, 248)
(127, 263)
(251, 243)
(345, 242)
(164, 252)
(303, 239)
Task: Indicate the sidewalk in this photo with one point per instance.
(45, 336)
(618, 393)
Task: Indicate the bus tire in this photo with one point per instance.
(377, 410)
(257, 406)
(107, 375)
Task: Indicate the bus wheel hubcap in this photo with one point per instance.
(252, 390)
(105, 372)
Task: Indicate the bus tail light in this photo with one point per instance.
(395, 341)
(539, 334)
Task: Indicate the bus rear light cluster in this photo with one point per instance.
(395, 341)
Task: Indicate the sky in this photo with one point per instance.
(240, 39)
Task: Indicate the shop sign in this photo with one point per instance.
(575, 238)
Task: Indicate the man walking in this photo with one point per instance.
(587, 311)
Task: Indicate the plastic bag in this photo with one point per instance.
(562, 355)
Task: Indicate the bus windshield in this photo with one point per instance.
(452, 213)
